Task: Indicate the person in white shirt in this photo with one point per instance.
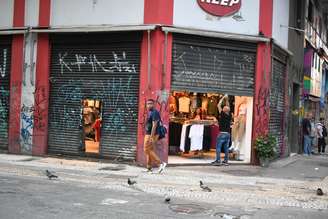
(321, 133)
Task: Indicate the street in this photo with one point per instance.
(100, 190)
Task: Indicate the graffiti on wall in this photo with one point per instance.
(3, 63)
(27, 123)
(40, 108)
(119, 63)
(4, 107)
(117, 93)
(262, 110)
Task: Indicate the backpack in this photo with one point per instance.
(324, 131)
(161, 130)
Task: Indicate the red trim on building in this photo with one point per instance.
(44, 13)
(17, 61)
(15, 93)
(19, 13)
(261, 112)
(41, 96)
(156, 12)
(42, 86)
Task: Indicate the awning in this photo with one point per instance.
(314, 98)
(231, 36)
(87, 29)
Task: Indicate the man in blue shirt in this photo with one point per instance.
(152, 136)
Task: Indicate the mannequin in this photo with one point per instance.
(173, 104)
(193, 105)
(239, 127)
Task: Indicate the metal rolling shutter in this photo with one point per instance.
(204, 65)
(277, 101)
(95, 66)
(5, 57)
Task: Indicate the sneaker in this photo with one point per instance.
(148, 170)
(225, 163)
(162, 167)
(216, 163)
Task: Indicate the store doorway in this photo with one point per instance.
(91, 125)
(194, 127)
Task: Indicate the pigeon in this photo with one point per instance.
(319, 192)
(50, 175)
(204, 188)
(131, 182)
(167, 199)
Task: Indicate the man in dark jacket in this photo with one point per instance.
(307, 141)
(223, 139)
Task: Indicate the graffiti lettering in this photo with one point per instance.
(262, 110)
(119, 63)
(4, 64)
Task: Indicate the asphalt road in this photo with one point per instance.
(35, 197)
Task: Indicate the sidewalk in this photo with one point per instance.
(252, 188)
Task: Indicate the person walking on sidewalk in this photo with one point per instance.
(223, 139)
(152, 137)
(321, 133)
(307, 141)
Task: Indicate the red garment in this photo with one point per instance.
(214, 134)
(97, 126)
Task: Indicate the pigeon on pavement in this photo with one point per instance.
(50, 175)
(167, 199)
(131, 182)
(319, 192)
(204, 188)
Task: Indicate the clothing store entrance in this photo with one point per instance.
(207, 75)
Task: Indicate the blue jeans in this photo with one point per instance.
(307, 144)
(222, 140)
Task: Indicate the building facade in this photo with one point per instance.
(67, 64)
(315, 59)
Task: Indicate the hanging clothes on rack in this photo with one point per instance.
(183, 137)
(207, 138)
(196, 137)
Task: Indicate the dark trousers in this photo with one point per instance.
(321, 145)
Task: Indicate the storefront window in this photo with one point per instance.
(194, 126)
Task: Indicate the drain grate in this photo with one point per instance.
(189, 209)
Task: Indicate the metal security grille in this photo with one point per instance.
(203, 64)
(5, 57)
(95, 66)
(277, 102)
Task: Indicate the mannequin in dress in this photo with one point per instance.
(239, 127)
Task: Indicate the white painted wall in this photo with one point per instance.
(280, 17)
(189, 14)
(96, 12)
(6, 13)
(28, 88)
(32, 13)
